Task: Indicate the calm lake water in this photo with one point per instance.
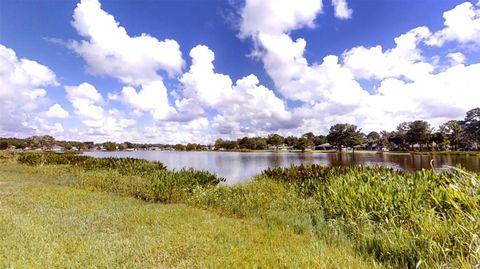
(237, 167)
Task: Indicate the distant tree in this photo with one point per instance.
(129, 145)
(122, 146)
(219, 144)
(180, 147)
(3, 145)
(110, 146)
(440, 140)
(68, 146)
(372, 139)
(47, 141)
(32, 142)
(291, 141)
(303, 143)
(344, 134)
(319, 140)
(246, 143)
(355, 139)
(229, 145)
(472, 124)
(275, 140)
(260, 143)
(88, 145)
(193, 147)
(419, 131)
(310, 136)
(454, 131)
(398, 137)
(383, 141)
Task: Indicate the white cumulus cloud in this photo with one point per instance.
(242, 105)
(22, 92)
(110, 50)
(56, 111)
(405, 60)
(456, 58)
(87, 104)
(341, 9)
(462, 24)
(152, 98)
(276, 17)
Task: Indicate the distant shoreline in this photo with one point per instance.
(467, 153)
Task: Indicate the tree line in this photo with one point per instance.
(408, 136)
(415, 135)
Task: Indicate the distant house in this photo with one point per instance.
(154, 148)
(376, 147)
(282, 147)
(57, 148)
(360, 147)
(325, 146)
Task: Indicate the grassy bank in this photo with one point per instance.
(399, 219)
(47, 221)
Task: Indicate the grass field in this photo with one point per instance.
(46, 222)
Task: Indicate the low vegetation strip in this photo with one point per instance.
(419, 219)
(143, 179)
(123, 165)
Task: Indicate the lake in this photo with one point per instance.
(237, 167)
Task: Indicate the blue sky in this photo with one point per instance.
(278, 67)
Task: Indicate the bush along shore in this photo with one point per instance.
(422, 219)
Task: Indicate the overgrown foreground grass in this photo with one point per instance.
(340, 215)
(47, 221)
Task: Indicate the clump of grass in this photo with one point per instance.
(143, 179)
(6, 156)
(158, 186)
(402, 218)
(123, 165)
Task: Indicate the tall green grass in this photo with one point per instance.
(143, 179)
(402, 219)
(123, 165)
